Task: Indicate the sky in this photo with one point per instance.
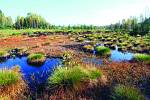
(73, 12)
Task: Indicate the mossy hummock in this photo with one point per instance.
(103, 51)
(37, 59)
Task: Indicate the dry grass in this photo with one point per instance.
(127, 73)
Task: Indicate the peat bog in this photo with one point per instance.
(43, 61)
(62, 55)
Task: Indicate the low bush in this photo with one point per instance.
(122, 92)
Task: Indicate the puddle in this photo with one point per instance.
(116, 55)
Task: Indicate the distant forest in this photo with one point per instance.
(132, 25)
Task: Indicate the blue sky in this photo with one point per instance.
(65, 12)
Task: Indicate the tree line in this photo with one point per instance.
(5, 21)
(31, 21)
(131, 25)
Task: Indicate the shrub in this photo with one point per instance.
(102, 50)
(72, 75)
(142, 57)
(122, 92)
(36, 59)
(8, 77)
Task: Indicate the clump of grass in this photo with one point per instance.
(80, 39)
(3, 53)
(72, 75)
(12, 85)
(36, 59)
(8, 77)
(102, 50)
(142, 57)
(88, 47)
(122, 92)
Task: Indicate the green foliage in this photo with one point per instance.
(31, 21)
(132, 26)
(36, 59)
(142, 57)
(122, 92)
(93, 74)
(102, 50)
(3, 53)
(5, 22)
(71, 75)
(8, 77)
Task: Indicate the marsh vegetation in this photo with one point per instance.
(74, 62)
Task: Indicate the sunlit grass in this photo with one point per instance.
(36, 58)
(72, 75)
(102, 50)
(142, 57)
(10, 32)
(8, 77)
(12, 86)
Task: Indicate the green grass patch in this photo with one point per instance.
(142, 57)
(122, 92)
(72, 75)
(102, 50)
(3, 53)
(12, 32)
(8, 77)
(36, 59)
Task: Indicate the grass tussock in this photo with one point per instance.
(122, 92)
(102, 50)
(36, 59)
(11, 84)
(72, 75)
(3, 53)
(142, 57)
(8, 77)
